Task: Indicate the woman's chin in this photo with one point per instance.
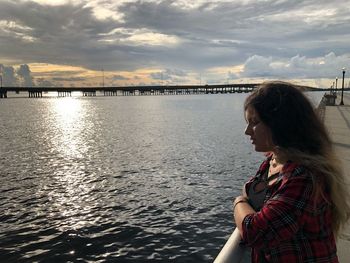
(259, 149)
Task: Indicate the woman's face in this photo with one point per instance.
(259, 133)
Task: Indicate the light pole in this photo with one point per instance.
(336, 84)
(342, 88)
(1, 94)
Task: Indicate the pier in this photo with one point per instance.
(37, 92)
(337, 120)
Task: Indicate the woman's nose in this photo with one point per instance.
(248, 130)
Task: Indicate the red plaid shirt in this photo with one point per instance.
(289, 227)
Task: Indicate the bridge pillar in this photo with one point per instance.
(109, 93)
(91, 93)
(64, 93)
(35, 94)
(3, 94)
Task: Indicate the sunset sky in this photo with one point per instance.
(82, 42)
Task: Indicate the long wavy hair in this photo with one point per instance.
(300, 136)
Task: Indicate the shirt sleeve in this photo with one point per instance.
(281, 216)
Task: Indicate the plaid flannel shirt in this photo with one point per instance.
(290, 227)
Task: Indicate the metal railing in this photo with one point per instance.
(233, 251)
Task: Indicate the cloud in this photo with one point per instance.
(139, 37)
(62, 34)
(19, 31)
(160, 76)
(9, 78)
(289, 37)
(13, 78)
(119, 77)
(25, 75)
(328, 66)
(71, 79)
(41, 82)
(258, 66)
(170, 76)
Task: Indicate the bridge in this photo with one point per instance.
(37, 92)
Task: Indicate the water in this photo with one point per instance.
(120, 179)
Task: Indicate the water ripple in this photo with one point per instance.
(120, 179)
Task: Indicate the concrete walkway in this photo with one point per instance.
(337, 120)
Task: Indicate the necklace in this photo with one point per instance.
(275, 167)
(273, 162)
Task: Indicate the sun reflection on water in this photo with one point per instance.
(70, 121)
(71, 130)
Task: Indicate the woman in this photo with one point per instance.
(297, 202)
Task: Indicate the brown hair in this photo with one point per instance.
(290, 116)
(301, 136)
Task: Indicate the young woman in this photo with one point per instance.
(295, 205)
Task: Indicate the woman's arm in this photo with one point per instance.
(279, 219)
(241, 209)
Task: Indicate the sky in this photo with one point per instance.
(175, 42)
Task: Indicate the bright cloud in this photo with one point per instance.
(298, 66)
(150, 38)
(12, 28)
(139, 37)
(53, 2)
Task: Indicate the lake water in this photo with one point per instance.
(121, 179)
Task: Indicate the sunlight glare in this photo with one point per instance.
(69, 129)
(68, 108)
(70, 123)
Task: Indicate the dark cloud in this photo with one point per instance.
(119, 77)
(230, 32)
(71, 79)
(164, 34)
(61, 73)
(168, 74)
(176, 72)
(64, 34)
(160, 76)
(41, 82)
